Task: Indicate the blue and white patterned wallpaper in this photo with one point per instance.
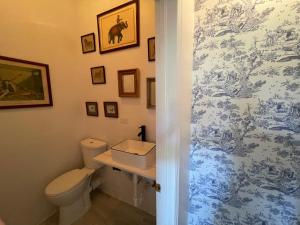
(245, 151)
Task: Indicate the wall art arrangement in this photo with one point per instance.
(111, 109)
(91, 108)
(151, 49)
(129, 83)
(98, 75)
(24, 84)
(88, 43)
(118, 28)
(245, 149)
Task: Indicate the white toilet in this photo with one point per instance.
(71, 190)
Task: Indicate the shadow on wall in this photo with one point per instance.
(1, 222)
(245, 150)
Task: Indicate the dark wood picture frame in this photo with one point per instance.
(21, 64)
(136, 83)
(84, 43)
(151, 56)
(137, 18)
(149, 81)
(94, 81)
(114, 114)
(88, 110)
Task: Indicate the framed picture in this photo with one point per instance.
(24, 84)
(98, 75)
(88, 43)
(128, 82)
(151, 93)
(118, 28)
(111, 109)
(91, 108)
(151, 49)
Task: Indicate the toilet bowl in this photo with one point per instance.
(71, 190)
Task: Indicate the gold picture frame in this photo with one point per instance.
(118, 28)
(151, 49)
(151, 93)
(129, 83)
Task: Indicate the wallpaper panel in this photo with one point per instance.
(245, 150)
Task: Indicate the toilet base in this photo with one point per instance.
(70, 213)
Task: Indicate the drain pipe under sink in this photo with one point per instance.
(135, 190)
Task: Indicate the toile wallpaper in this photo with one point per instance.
(245, 148)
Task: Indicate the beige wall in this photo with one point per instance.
(37, 144)
(132, 111)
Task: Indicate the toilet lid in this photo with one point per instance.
(66, 182)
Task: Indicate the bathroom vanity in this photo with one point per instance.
(132, 156)
(106, 159)
(135, 157)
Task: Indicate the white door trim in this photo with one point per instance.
(174, 32)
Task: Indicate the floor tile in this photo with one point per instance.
(106, 210)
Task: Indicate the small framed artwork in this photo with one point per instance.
(91, 108)
(88, 43)
(111, 109)
(98, 75)
(151, 94)
(118, 28)
(128, 82)
(151, 49)
(24, 84)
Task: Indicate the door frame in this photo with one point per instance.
(174, 55)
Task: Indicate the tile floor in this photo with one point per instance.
(106, 210)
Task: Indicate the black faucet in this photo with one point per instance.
(143, 132)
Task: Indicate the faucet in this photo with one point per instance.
(143, 132)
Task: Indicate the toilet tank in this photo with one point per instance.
(91, 147)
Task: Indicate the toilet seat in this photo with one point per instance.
(66, 182)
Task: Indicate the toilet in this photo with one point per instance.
(71, 190)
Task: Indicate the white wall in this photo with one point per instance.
(37, 144)
(132, 110)
(174, 38)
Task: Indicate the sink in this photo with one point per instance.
(134, 153)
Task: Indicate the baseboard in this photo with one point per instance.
(45, 219)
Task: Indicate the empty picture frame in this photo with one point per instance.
(151, 49)
(91, 108)
(151, 93)
(128, 82)
(88, 43)
(98, 75)
(111, 109)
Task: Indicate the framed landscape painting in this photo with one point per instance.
(24, 84)
(118, 28)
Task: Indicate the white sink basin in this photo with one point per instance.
(134, 153)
